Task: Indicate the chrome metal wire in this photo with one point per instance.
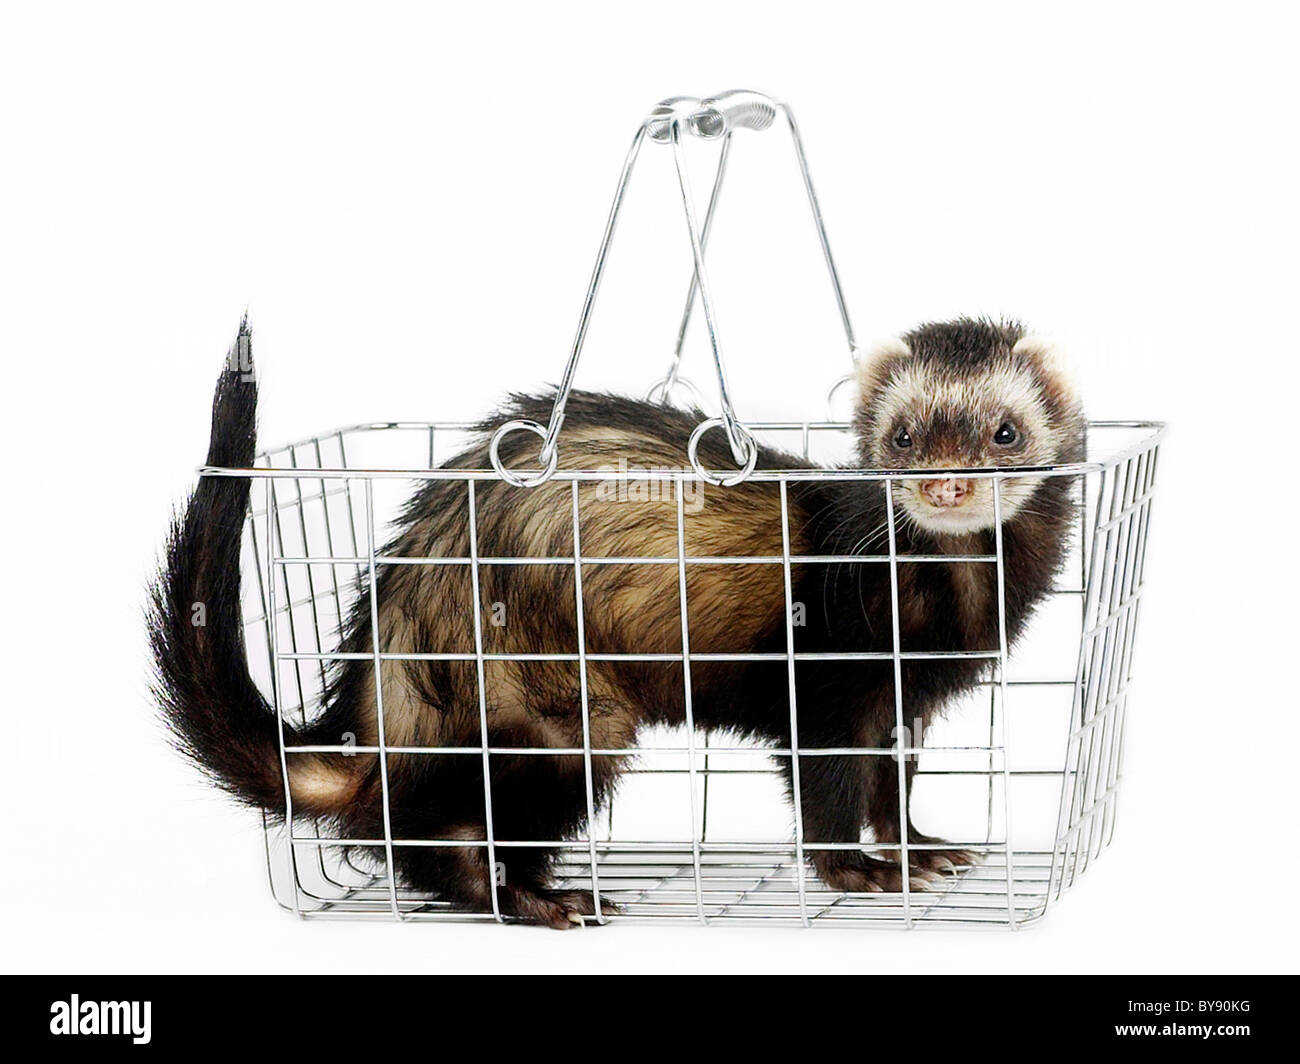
(332, 519)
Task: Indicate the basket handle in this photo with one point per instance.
(737, 109)
(713, 117)
(709, 118)
(752, 110)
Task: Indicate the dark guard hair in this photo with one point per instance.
(217, 716)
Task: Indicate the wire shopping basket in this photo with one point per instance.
(1025, 772)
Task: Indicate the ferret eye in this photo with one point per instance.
(1006, 434)
(903, 438)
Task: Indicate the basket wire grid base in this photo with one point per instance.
(651, 886)
(318, 510)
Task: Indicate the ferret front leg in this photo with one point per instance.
(883, 815)
(839, 793)
(833, 793)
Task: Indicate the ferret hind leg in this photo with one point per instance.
(440, 798)
(542, 798)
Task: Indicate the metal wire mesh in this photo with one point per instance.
(1026, 772)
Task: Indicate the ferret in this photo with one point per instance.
(957, 395)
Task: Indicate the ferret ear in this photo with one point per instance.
(1049, 355)
(1054, 366)
(874, 359)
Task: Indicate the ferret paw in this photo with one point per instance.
(948, 862)
(944, 860)
(580, 905)
(856, 873)
(562, 910)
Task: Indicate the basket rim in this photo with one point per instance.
(1153, 434)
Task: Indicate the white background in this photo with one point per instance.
(408, 199)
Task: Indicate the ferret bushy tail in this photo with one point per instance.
(217, 716)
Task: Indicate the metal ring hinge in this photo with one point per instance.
(848, 378)
(522, 478)
(731, 479)
(663, 388)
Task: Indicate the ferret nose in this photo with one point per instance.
(949, 492)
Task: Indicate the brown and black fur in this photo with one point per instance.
(223, 722)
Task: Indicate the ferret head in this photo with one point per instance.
(966, 394)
